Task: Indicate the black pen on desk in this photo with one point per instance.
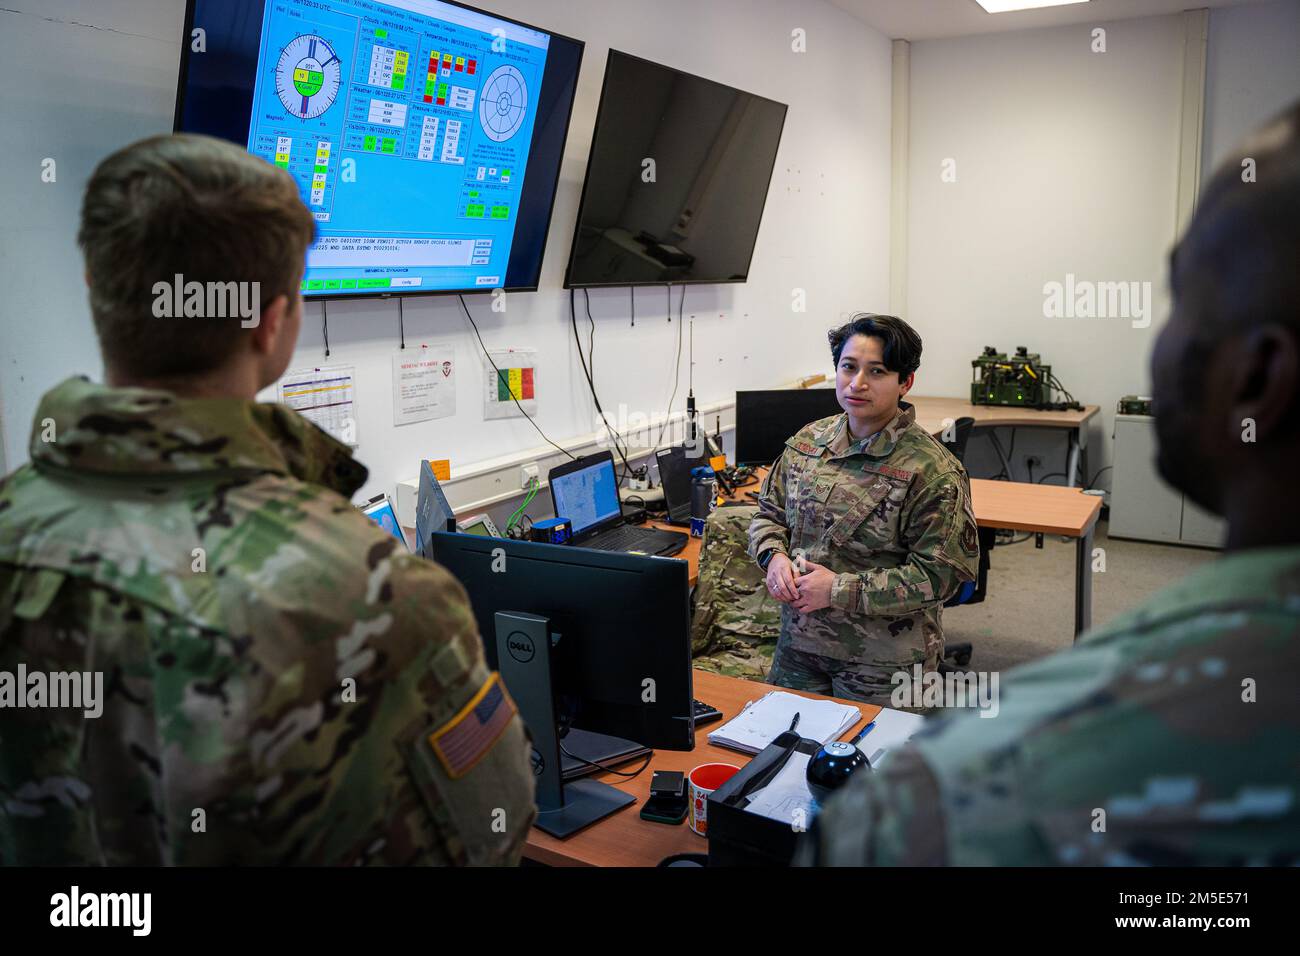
(794, 723)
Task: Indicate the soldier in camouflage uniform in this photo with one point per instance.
(864, 527)
(1168, 737)
(736, 621)
(282, 681)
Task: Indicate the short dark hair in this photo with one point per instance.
(900, 345)
(199, 207)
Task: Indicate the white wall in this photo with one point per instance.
(77, 80)
(1252, 72)
(77, 92)
(1066, 163)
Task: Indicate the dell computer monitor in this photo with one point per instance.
(623, 658)
(425, 136)
(676, 180)
(766, 420)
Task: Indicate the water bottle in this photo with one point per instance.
(704, 496)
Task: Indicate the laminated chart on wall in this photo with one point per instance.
(514, 379)
(326, 397)
(424, 383)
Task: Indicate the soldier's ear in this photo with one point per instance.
(906, 384)
(268, 324)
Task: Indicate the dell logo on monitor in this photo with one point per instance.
(520, 646)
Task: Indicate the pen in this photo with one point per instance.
(865, 730)
(795, 723)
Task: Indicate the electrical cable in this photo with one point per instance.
(591, 377)
(619, 773)
(1014, 540)
(1093, 481)
(488, 355)
(677, 365)
(587, 373)
(1002, 455)
(533, 487)
(325, 325)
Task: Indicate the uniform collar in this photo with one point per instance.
(879, 445)
(136, 432)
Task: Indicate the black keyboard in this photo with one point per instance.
(704, 713)
(628, 538)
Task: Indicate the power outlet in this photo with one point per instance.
(527, 473)
(1034, 461)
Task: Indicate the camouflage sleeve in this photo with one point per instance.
(467, 755)
(769, 530)
(890, 817)
(939, 531)
(379, 734)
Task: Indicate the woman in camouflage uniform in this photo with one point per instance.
(864, 527)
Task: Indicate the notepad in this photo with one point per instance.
(763, 720)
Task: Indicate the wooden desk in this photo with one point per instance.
(1049, 509)
(1020, 506)
(624, 839)
(931, 414)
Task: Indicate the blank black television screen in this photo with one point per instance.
(425, 136)
(676, 180)
(764, 420)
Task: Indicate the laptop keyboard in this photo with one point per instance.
(620, 539)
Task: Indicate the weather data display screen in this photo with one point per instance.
(425, 137)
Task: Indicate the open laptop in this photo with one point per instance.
(379, 509)
(675, 479)
(585, 491)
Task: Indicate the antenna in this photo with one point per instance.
(690, 387)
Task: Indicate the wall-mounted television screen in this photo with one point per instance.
(676, 181)
(425, 136)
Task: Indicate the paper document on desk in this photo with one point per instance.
(892, 729)
(787, 798)
(763, 720)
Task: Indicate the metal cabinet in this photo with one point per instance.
(1142, 505)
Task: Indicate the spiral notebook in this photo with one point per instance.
(764, 719)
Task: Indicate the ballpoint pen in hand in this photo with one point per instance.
(795, 723)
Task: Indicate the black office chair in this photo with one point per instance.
(972, 592)
(961, 435)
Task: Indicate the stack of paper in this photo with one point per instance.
(788, 799)
(762, 721)
(892, 729)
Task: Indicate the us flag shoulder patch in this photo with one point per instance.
(464, 740)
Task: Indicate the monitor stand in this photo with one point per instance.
(524, 655)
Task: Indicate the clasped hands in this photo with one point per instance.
(803, 584)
